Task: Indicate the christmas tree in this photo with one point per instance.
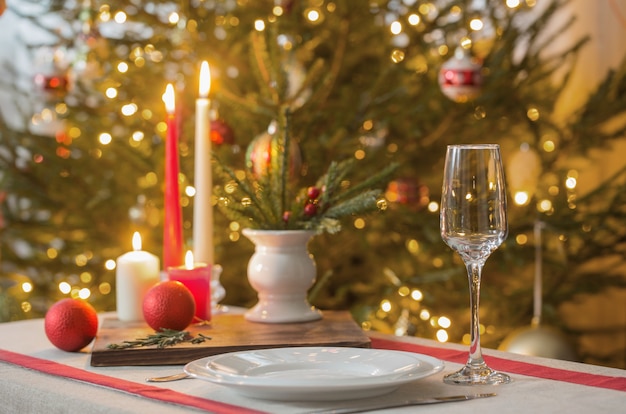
(386, 82)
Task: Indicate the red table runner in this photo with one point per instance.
(147, 391)
(174, 397)
(507, 365)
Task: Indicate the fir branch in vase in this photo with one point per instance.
(266, 196)
(272, 201)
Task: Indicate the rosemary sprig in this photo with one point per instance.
(162, 339)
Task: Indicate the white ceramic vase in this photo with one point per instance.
(281, 270)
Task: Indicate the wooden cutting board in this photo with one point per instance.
(228, 333)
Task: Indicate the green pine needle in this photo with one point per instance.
(162, 339)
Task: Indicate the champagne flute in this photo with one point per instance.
(473, 223)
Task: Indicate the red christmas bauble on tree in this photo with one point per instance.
(287, 5)
(460, 78)
(51, 72)
(221, 133)
(409, 192)
(52, 83)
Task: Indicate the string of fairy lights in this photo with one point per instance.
(399, 18)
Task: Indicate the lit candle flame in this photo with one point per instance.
(205, 80)
(136, 241)
(169, 99)
(189, 260)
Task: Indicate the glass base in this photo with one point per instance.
(482, 375)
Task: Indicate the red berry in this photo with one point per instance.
(313, 193)
(286, 216)
(310, 209)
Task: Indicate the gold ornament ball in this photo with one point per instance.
(262, 152)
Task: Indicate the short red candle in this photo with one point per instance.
(197, 278)
(172, 223)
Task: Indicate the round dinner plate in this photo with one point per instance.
(314, 373)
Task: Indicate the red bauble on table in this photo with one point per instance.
(169, 305)
(71, 324)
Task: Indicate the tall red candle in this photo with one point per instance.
(173, 223)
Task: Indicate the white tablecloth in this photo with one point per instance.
(28, 391)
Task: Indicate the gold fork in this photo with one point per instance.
(168, 378)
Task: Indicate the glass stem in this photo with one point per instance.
(474, 270)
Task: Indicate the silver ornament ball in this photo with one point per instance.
(539, 341)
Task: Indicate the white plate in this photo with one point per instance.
(314, 373)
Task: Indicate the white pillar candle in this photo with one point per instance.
(203, 179)
(137, 272)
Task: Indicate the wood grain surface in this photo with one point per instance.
(228, 333)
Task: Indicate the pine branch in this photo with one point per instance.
(362, 203)
(162, 339)
(375, 180)
(262, 66)
(332, 180)
(321, 94)
(255, 205)
(281, 169)
(249, 105)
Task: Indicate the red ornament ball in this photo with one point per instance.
(313, 193)
(71, 324)
(56, 83)
(460, 78)
(286, 216)
(221, 133)
(169, 305)
(310, 209)
(409, 192)
(287, 5)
